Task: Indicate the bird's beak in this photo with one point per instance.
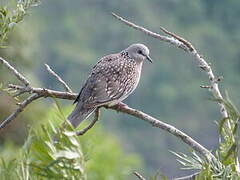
(149, 59)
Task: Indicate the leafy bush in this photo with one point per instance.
(9, 17)
(51, 152)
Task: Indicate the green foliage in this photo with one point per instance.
(10, 17)
(51, 152)
(8, 169)
(228, 128)
(56, 154)
(103, 153)
(105, 158)
(226, 164)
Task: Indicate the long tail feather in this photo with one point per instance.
(79, 114)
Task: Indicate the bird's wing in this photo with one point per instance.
(105, 83)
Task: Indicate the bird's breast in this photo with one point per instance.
(132, 77)
(137, 75)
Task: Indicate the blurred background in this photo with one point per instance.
(71, 36)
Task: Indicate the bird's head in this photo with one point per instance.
(138, 52)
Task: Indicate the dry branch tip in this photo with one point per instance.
(184, 41)
(139, 176)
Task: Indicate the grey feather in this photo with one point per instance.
(79, 114)
(111, 80)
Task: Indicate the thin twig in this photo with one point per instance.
(96, 118)
(139, 176)
(19, 76)
(169, 128)
(20, 92)
(21, 107)
(66, 87)
(184, 41)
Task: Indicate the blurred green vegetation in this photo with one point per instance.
(15, 46)
(72, 36)
(225, 165)
(51, 152)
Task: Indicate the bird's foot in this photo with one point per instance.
(120, 106)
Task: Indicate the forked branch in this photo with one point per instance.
(188, 47)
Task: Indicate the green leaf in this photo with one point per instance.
(67, 154)
(232, 150)
(221, 124)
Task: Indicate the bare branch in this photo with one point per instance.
(139, 176)
(150, 33)
(21, 107)
(45, 92)
(205, 86)
(66, 87)
(15, 72)
(188, 44)
(169, 128)
(96, 118)
(188, 47)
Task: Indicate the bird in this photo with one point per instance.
(112, 79)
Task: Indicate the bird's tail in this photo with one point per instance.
(79, 114)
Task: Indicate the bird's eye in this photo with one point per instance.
(139, 52)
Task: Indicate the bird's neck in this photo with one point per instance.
(125, 54)
(139, 64)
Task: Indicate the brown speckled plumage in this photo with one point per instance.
(111, 80)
